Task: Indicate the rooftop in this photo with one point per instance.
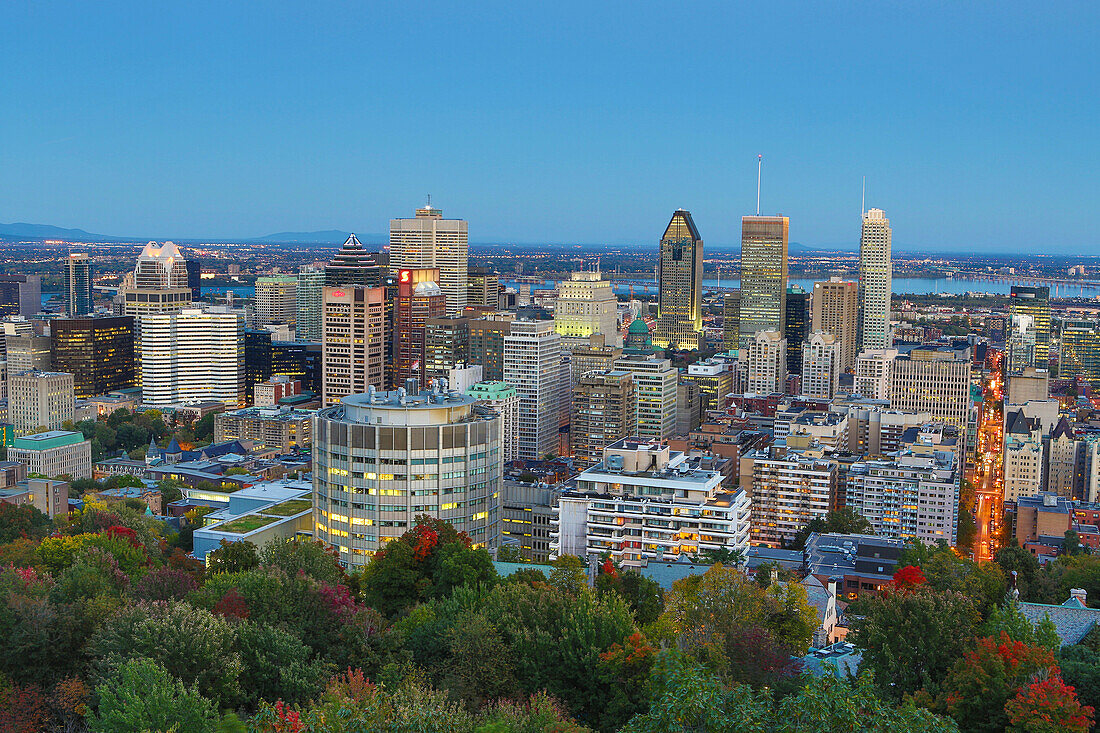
(48, 439)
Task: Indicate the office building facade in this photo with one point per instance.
(764, 241)
(1034, 301)
(98, 352)
(820, 365)
(532, 364)
(193, 355)
(655, 384)
(381, 459)
(603, 413)
(765, 358)
(309, 294)
(875, 281)
(834, 309)
(796, 326)
(40, 400)
(680, 284)
(354, 266)
(419, 298)
(585, 305)
(78, 301)
(353, 342)
(731, 321)
(430, 241)
(276, 300)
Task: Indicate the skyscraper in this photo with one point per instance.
(192, 355)
(796, 326)
(79, 281)
(603, 412)
(354, 265)
(307, 297)
(532, 364)
(98, 352)
(487, 337)
(731, 321)
(419, 298)
(680, 284)
(835, 309)
(586, 305)
(353, 341)
(763, 274)
(194, 278)
(276, 300)
(875, 281)
(1080, 350)
(20, 295)
(1035, 302)
(430, 241)
(258, 348)
(158, 283)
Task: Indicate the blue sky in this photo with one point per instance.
(976, 124)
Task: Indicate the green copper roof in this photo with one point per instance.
(638, 325)
(47, 440)
(491, 390)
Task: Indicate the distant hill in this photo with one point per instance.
(23, 230)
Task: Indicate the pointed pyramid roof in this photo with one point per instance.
(173, 447)
(1062, 428)
(681, 227)
(352, 242)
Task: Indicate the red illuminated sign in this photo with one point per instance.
(406, 275)
(338, 293)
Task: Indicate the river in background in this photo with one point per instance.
(902, 286)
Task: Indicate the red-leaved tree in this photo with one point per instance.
(1048, 706)
(909, 576)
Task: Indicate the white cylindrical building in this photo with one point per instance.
(382, 458)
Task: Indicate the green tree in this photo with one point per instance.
(1071, 543)
(841, 521)
(140, 696)
(569, 574)
(314, 558)
(193, 644)
(1015, 558)
(903, 661)
(233, 557)
(276, 665)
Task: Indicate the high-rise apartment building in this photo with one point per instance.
(158, 283)
(309, 296)
(353, 341)
(765, 357)
(382, 458)
(875, 281)
(192, 355)
(655, 382)
(835, 309)
(586, 305)
(1034, 301)
(532, 364)
(419, 298)
(603, 413)
(796, 326)
(39, 400)
(661, 504)
(20, 295)
(763, 275)
(79, 281)
(731, 320)
(1080, 350)
(713, 379)
(354, 265)
(430, 241)
(482, 287)
(790, 488)
(98, 352)
(487, 336)
(820, 365)
(680, 284)
(503, 399)
(276, 300)
(913, 495)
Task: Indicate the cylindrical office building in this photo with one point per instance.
(381, 458)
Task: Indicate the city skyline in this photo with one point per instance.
(546, 138)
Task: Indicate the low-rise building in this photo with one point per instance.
(259, 514)
(54, 453)
(645, 502)
(281, 428)
(866, 563)
(46, 495)
(526, 513)
(1042, 515)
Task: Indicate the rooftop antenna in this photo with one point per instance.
(759, 167)
(429, 201)
(863, 199)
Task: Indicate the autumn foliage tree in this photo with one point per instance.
(1047, 706)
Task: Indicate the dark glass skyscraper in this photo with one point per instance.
(98, 352)
(78, 301)
(257, 360)
(680, 282)
(1035, 302)
(194, 278)
(796, 326)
